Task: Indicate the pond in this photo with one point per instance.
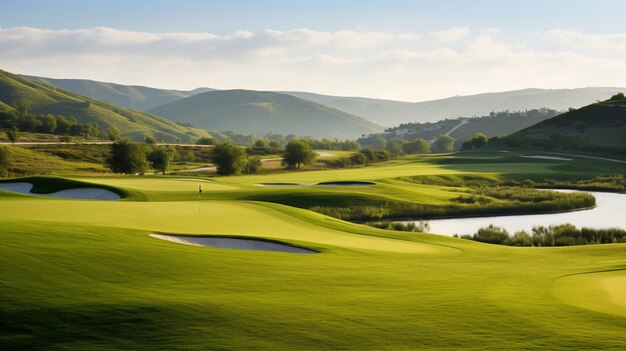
(610, 212)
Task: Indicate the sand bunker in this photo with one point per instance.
(554, 158)
(282, 184)
(79, 193)
(233, 243)
(340, 183)
(346, 183)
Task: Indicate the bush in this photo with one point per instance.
(492, 235)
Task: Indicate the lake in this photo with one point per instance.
(610, 212)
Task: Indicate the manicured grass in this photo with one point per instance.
(78, 274)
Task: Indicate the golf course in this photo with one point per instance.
(261, 262)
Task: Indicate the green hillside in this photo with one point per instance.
(260, 112)
(599, 129)
(132, 96)
(44, 99)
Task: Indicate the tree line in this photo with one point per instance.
(557, 235)
(48, 124)
(230, 159)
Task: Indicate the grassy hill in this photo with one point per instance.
(132, 96)
(44, 99)
(389, 113)
(249, 112)
(598, 129)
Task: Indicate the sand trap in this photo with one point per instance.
(548, 158)
(233, 243)
(282, 184)
(324, 154)
(347, 183)
(80, 193)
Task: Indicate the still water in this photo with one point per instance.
(610, 212)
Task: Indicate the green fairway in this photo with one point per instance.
(81, 274)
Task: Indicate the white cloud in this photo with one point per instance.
(410, 66)
(450, 35)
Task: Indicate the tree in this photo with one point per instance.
(380, 143)
(49, 124)
(113, 134)
(127, 157)
(394, 146)
(467, 145)
(5, 162)
(253, 164)
(13, 135)
(444, 143)
(229, 158)
(161, 158)
(65, 138)
(261, 144)
(479, 140)
(417, 146)
(150, 140)
(297, 153)
(206, 141)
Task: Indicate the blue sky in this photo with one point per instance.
(221, 17)
(411, 50)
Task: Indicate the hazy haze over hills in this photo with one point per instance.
(132, 96)
(260, 112)
(387, 113)
(390, 113)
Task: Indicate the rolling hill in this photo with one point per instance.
(386, 113)
(463, 128)
(132, 96)
(261, 112)
(389, 113)
(597, 129)
(45, 99)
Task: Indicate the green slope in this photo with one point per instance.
(598, 129)
(132, 96)
(46, 99)
(249, 112)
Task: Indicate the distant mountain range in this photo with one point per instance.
(261, 112)
(132, 96)
(390, 113)
(48, 99)
(599, 128)
(387, 113)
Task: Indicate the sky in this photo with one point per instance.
(401, 50)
